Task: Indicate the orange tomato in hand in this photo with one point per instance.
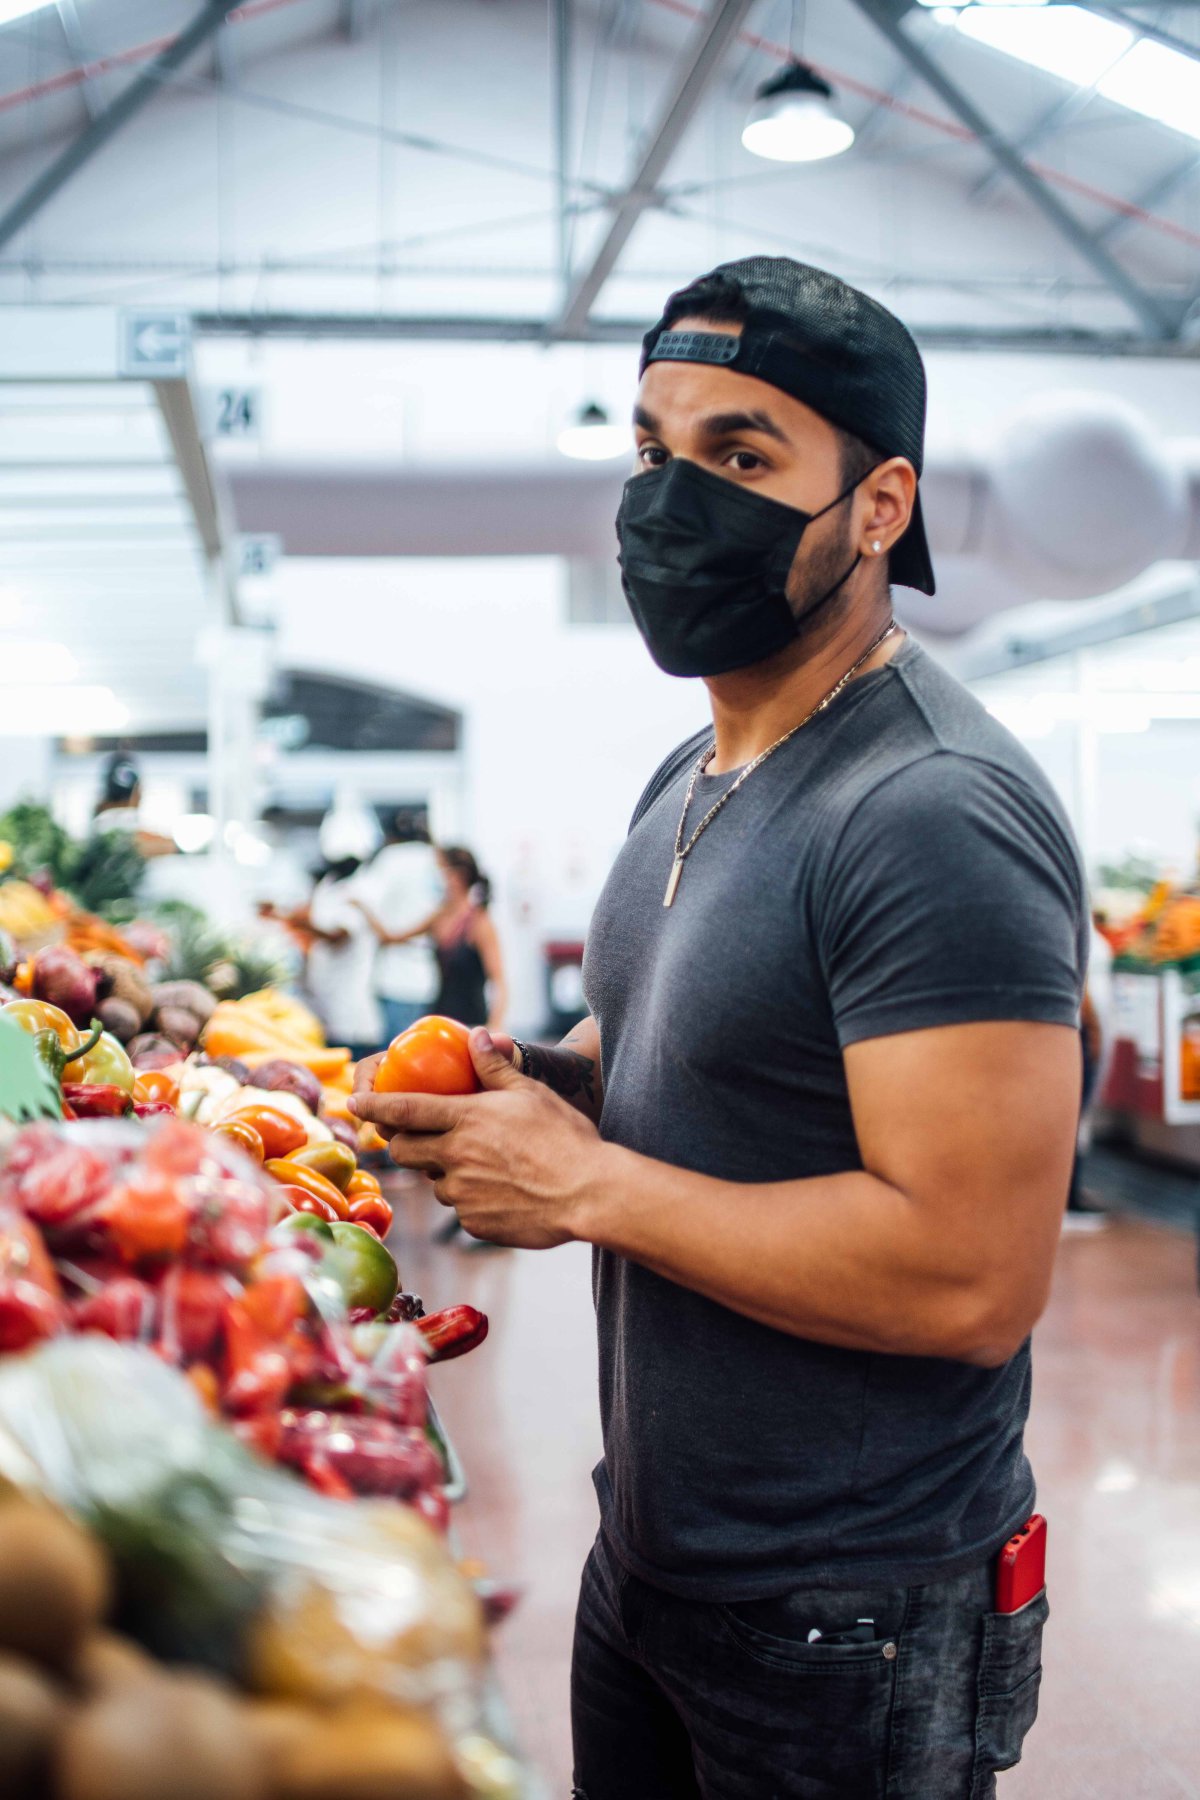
(431, 1057)
(280, 1132)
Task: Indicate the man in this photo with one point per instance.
(833, 1059)
(400, 888)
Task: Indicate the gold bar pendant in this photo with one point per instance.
(673, 881)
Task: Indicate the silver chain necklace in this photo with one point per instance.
(682, 850)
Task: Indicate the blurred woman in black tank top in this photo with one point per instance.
(473, 988)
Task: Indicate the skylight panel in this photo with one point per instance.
(1066, 41)
(1158, 82)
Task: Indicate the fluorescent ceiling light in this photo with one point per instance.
(593, 438)
(1161, 83)
(20, 9)
(1067, 41)
(793, 119)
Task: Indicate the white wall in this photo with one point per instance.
(563, 725)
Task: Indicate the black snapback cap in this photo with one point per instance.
(827, 345)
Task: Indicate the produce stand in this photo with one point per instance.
(213, 1395)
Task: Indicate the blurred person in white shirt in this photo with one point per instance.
(400, 887)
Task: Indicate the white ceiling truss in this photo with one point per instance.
(550, 167)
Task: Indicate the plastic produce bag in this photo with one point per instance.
(224, 1561)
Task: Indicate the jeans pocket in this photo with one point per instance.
(1010, 1675)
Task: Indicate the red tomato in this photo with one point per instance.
(431, 1057)
(373, 1211)
(279, 1131)
(310, 1203)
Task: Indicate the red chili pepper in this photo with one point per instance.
(96, 1100)
(27, 1314)
(124, 1309)
(193, 1310)
(453, 1331)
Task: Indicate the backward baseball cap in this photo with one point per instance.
(827, 345)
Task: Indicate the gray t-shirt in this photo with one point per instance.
(901, 863)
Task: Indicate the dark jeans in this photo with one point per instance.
(685, 1700)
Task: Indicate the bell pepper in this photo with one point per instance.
(146, 1218)
(31, 1302)
(105, 1062)
(96, 1100)
(332, 1160)
(57, 1058)
(38, 1015)
(265, 1349)
(294, 1174)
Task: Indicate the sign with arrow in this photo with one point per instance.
(154, 345)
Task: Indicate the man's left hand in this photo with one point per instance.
(515, 1162)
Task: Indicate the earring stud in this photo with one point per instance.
(877, 546)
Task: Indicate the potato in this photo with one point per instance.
(30, 1713)
(184, 1740)
(110, 1661)
(368, 1753)
(54, 1584)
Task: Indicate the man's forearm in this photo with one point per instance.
(571, 1069)
(842, 1259)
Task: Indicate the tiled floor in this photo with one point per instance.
(1115, 1437)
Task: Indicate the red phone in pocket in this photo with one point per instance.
(1021, 1570)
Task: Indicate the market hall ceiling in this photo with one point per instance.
(514, 168)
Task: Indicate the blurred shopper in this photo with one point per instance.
(472, 984)
(119, 807)
(341, 957)
(401, 886)
(819, 1124)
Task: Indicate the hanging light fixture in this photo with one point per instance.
(793, 120)
(594, 438)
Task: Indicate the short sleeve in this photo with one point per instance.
(953, 894)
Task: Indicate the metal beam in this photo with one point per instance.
(560, 35)
(352, 19)
(141, 89)
(68, 18)
(886, 15)
(409, 328)
(694, 74)
(1057, 118)
(1149, 200)
(1145, 28)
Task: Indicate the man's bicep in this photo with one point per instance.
(976, 1125)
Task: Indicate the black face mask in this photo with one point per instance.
(705, 565)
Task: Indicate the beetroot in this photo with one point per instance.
(281, 1077)
(153, 1051)
(65, 980)
(343, 1131)
(183, 1027)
